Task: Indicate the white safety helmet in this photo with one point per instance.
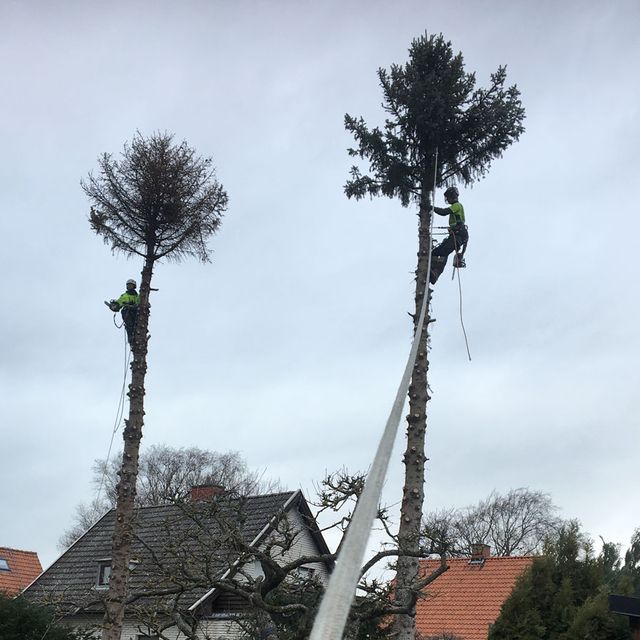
(130, 281)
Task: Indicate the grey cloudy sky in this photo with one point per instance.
(290, 346)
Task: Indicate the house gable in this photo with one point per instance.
(308, 542)
(185, 536)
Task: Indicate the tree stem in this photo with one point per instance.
(126, 488)
(414, 456)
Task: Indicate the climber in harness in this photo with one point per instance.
(127, 304)
(456, 240)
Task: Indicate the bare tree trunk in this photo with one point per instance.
(132, 435)
(414, 457)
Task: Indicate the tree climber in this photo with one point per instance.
(455, 241)
(127, 304)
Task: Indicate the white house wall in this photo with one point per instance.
(304, 545)
(219, 630)
(131, 630)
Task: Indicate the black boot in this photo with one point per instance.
(438, 264)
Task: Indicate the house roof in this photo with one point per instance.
(178, 537)
(18, 569)
(467, 598)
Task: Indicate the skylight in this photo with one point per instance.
(104, 573)
(4, 565)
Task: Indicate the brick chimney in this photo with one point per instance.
(479, 553)
(202, 492)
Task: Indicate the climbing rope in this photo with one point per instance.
(119, 410)
(464, 332)
(456, 271)
(336, 602)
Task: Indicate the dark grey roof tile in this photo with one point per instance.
(180, 537)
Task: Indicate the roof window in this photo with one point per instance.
(104, 573)
(306, 572)
(4, 565)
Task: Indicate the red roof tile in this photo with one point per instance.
(24, 568)
(467, 598)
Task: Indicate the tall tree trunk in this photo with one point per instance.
(414, 457)
(126, 488)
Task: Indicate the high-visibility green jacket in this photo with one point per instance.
(455, 212)
(128, 299)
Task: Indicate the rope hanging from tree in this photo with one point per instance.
(119, 410)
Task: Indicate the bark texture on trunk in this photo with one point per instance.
(414, 456)
(126, 488)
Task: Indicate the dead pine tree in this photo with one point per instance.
(158, 200)
(431, 104)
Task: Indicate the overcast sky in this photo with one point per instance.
(289, 347)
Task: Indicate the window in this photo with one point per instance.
(104, 573)
(4, 564)
(306, 573)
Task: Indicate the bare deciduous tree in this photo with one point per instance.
(199, 546)
(279, 593)
(517, 523)
(166, 474)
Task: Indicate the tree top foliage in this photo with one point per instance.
(158, 200)
(433, 103)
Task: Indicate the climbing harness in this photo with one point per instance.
(336, 602)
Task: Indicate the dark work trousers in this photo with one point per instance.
(451, 243)
(129, 316)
